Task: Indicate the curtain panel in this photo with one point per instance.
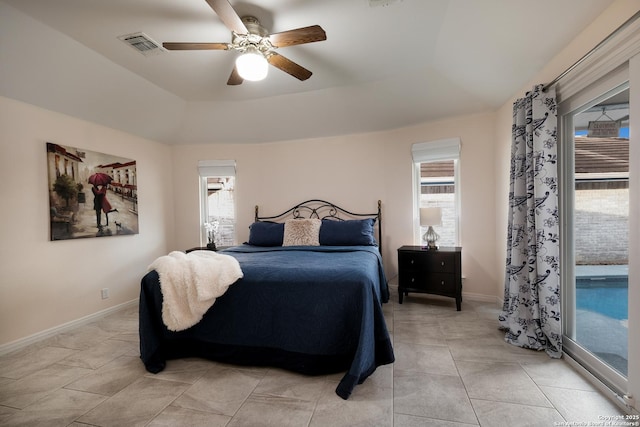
(531, 309)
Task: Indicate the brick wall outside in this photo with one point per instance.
(602, 226)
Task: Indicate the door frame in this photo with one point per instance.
(615, 82)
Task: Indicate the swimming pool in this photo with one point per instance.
(605, 295)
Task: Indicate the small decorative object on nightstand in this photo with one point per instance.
(432, 272)
(212, 229)
(428, 218)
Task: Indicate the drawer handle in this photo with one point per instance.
(442, 283)
(413, 280)
(442, 263)
(411, 261)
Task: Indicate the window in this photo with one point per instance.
(436, 185)
(217, 202)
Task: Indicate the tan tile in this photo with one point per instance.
(81, 338)
(504, 382)
(452, 315)
(98, 355)
(403, 420)
(470, 329)
(136, 405)
(60, 408)
(282, 383)
(382, 377)
(187, 370)
(263, 410)
(417, 332)
(434, 396)
(173, 416)
(112, 377)
(556, 373)
(500, 414)
(434, 359)
(25, 391)
(6, 413)
(487, 348)
(220, 390)
(23, 363)
(581, 406)
(368, 406)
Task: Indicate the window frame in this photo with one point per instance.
(214, 169)
(429, 152)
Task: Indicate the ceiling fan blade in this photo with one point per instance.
(289, 67)
(314, 33)
(228, 16)
(195, 46)
(234, 78)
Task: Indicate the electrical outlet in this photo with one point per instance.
(105, 293)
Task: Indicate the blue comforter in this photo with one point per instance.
(309, 309)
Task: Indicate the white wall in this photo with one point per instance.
(44, 284)
(353, 172)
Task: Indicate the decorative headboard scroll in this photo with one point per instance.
(321, 209)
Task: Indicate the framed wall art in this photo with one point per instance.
(91, 194)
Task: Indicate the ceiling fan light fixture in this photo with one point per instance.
(252, 65)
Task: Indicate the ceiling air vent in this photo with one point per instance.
(142, 43)
(384, 3)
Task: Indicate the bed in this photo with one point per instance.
(310, 300)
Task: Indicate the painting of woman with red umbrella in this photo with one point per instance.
(100, 182)
(75, 175)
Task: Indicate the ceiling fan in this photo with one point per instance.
(256, 46)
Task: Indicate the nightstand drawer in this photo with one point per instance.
(441, 263)
(427, 261)
(430, 271)
(436, 283)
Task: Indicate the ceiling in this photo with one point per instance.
(385, 64)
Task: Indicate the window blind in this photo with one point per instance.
(433, 151)
(216, 168)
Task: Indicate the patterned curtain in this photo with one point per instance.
(531, 309)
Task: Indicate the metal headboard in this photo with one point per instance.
(321, 209)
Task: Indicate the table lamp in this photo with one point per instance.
(428, 218)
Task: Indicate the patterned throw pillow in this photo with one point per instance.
(302, 232)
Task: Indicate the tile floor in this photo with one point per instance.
(452, 369)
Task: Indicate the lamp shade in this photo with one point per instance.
(252, 65)
(430, 216)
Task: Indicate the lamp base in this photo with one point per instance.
(430, 237)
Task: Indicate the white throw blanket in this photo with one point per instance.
(190, 284)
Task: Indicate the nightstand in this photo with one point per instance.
(430, 271)
(204, 248)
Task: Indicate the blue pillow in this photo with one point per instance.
(264, 233)
(356, 232)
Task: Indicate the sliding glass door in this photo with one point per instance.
(594, 182)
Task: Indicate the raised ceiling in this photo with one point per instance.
(384, 65)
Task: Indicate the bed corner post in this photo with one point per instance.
(380, 226)
(256, 214)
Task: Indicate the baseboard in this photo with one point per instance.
(31, 339)
(478, 297)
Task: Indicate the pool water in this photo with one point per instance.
(607, 296)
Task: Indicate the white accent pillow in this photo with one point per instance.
(302, 232)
